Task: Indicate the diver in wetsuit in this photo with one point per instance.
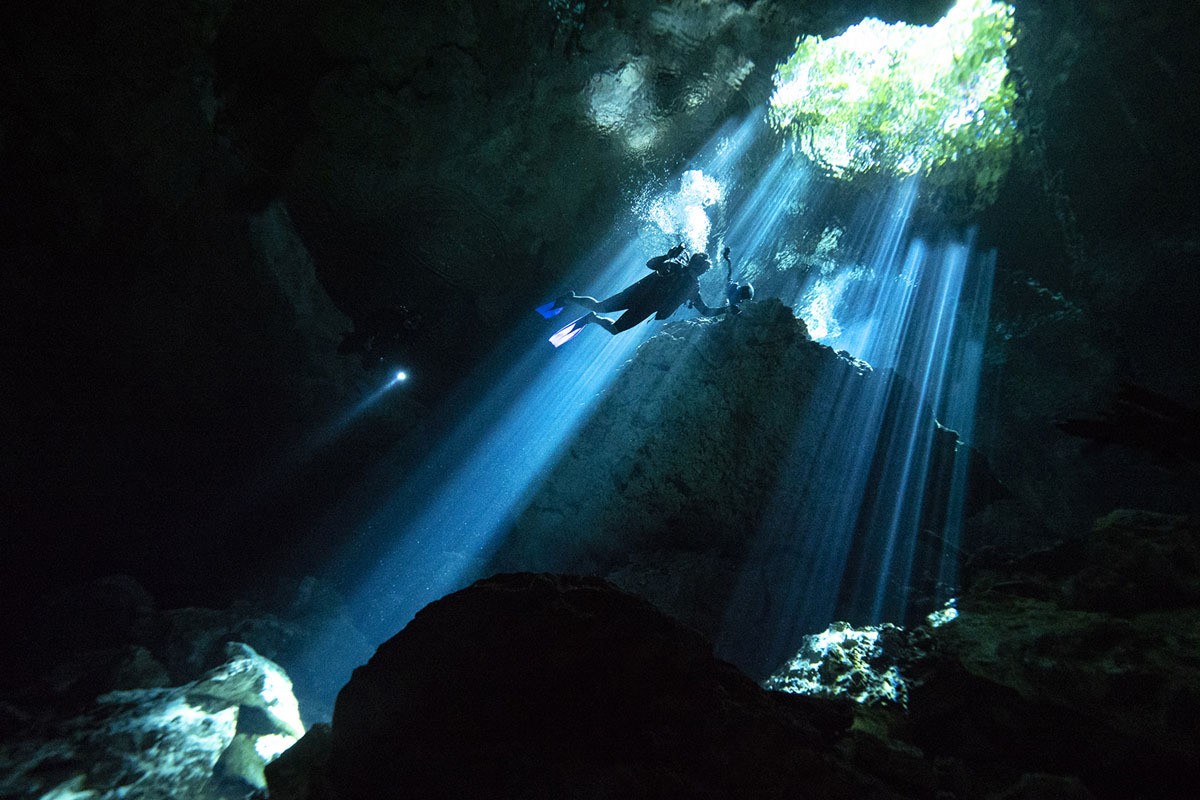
(735, 293)
(673, 282)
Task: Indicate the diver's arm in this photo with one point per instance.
(697, 302)
(658, 264)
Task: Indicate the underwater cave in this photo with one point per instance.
(600, 398)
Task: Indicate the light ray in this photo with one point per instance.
(844, 537)
(444, 518)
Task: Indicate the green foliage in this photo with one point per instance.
(906, 98)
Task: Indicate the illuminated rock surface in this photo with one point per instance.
(207, 740)
(1067, 673)
(843, 661)
(666, 490)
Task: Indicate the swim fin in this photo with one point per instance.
(550, 310)
(570, 331)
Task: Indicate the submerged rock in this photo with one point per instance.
(550, 686)
(863, 664)
(204, 740)
(1069, 672)
(1085, 655)
(713, 471)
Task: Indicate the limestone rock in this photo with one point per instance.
(548, 686)
(162, 742)
(860, 663)
(1139, 561)
(1069, 672)
(1082, 655)
(672, 488)
(251, 681)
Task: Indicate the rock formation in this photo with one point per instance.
(718, 454)
(530, 685)
(1054, 680)
(208, 739)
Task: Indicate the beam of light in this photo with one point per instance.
(442, 523)
(957, 410)
(763, 204)
(755, 227)
(438, 523)
(887, 537)
(426, 532)
(841, 537)
(326, 435)
(271, 478)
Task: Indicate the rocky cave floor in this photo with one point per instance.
(1069, 672)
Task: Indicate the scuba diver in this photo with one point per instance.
(735, 293)
(673, 282)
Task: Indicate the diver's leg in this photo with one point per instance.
(590, 303)
(618, 301)
(630, 318)
(621, 323)
(622, 299)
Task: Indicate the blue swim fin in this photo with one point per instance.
(569, 331)
(550, 310)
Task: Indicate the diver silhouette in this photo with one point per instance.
(673, 282)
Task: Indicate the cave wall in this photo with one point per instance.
(1096, 237)
(202, 196)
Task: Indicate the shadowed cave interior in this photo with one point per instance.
(300, 500)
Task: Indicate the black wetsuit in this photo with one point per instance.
(660, 293)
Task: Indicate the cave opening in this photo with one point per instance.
(905, 99)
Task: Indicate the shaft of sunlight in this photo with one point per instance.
(443, 519)
(865, 492)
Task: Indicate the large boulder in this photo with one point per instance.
(1076, 661)
(1069, 672)
(535, 685)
